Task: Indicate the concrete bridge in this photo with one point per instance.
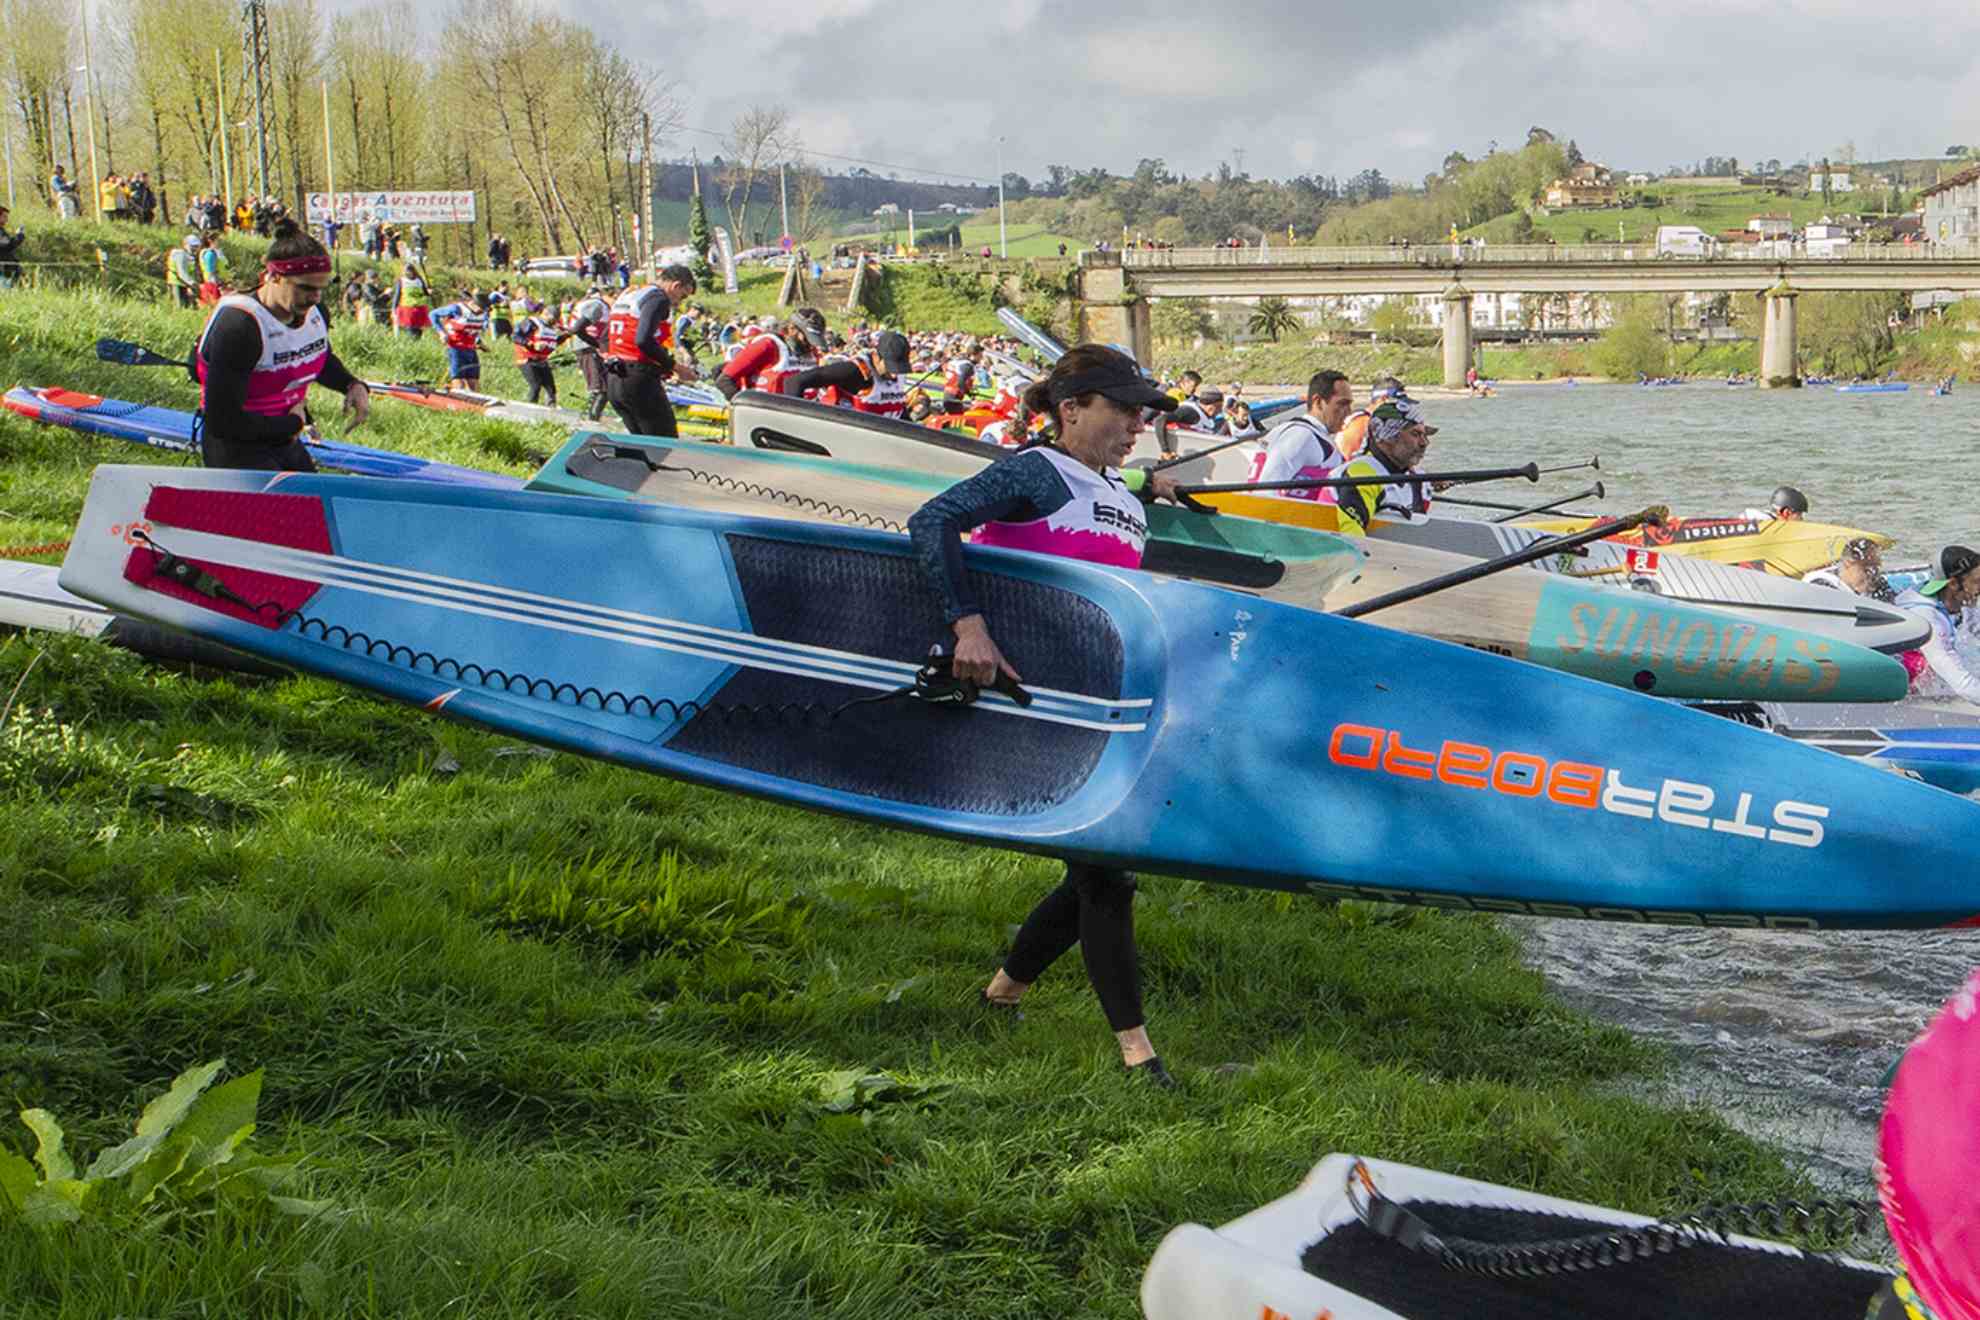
(1115, 286)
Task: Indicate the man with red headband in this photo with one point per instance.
(258, 356)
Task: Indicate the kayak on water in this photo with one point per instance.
(772, 421)
(1335, 1247)
(177, 431)
(1621, 638)
(1791, 547)
(1161, 722)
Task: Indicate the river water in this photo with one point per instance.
(1787, 1035)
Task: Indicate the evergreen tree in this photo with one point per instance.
(700, 238)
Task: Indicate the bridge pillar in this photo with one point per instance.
(1778, 359)
(1457, 334)
(1110, 312)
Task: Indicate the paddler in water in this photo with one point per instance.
(258, 356)
(1954, 588)
(1928, 1169)
(1064, 496)
(1398, 436)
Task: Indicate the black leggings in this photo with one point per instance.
(541, 380)
(639, 395)
(1093, 908)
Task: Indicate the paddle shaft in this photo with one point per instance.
(135, 355)
(1201, 453)
(1553, 545)
(1530, 472)
(1596, 490)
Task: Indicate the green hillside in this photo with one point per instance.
(1026, 240)
(1711, 209)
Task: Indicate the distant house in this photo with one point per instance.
(1839, 180)
(1952, 208)
(1770, 226)
(1637, 180)
(1587, 184)
(887, 208)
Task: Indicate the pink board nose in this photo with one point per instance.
(1928, 1159)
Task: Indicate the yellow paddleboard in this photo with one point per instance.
(1278, 509)
(1789, 548)
(706, 413)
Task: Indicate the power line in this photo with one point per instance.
(861, 160)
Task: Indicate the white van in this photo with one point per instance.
(1684, 241)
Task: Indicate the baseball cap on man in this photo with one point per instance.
(1117, 378)
(811, 323)
(1953, 561)
(892, 350)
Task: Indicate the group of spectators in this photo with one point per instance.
(121, 196)
(251, 215)
(379, 239)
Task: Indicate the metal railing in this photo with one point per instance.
(1453, 256)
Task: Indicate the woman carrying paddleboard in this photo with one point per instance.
(258, 355)
(1066, 496)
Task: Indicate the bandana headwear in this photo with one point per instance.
(314, 264)
(1393, 416)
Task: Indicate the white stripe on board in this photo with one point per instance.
(649, 632)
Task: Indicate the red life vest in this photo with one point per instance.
(462, 332)
(533, 344)
(622, 327)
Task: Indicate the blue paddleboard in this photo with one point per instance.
(1173, 727)
(171, 429)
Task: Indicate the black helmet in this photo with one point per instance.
(1787, 497)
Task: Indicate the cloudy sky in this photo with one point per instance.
(1326, 87)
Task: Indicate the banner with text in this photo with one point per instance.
(397, 208)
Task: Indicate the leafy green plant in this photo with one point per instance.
(190, 1145)
(854, 1098)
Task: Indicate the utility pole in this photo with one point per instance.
(89, 112)
(646, 188)
(255, 67)
(329, 166)
(220, 131)
(9, 140)
(1003, 235)
(784, 200)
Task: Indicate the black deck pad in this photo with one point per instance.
(949, 758)
(1704, 1282)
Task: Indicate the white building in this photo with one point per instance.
(1839, 180)
(887, 208)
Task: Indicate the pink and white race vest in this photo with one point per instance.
(1103, 522)
(291, 356)
(1298, 450)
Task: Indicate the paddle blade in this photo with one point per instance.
(120, 350)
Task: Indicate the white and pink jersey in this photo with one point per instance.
(1103, 522)
(1297, 450)
(291, 356)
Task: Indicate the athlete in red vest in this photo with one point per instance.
(766, 360)
(535, 342)
(869, 382)
(639, 353)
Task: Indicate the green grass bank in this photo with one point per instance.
(559, 1039)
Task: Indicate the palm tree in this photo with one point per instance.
(1272, 317)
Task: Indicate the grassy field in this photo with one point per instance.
(559, 1039)
(1711, 209)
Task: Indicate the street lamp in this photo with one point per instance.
(1003, 236)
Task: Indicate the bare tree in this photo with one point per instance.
(36, 66)
(759, 139)
(808, 214)
(296, 50)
